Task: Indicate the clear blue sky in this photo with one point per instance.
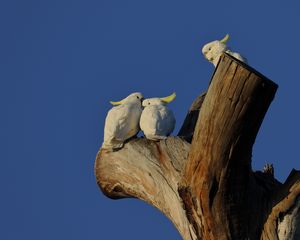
(61, 61)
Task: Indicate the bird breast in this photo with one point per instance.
(157, 119)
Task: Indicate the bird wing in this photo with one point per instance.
(128, 122)
(166, 122)
(115, 122)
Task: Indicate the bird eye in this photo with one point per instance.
(148, 103)
(209, 48)
(137, 97)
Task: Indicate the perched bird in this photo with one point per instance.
(212, 51)
(157, 120)
(122, 121)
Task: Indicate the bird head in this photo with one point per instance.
(213, 50)
(159, 101)
(132, 98)
(152, 102)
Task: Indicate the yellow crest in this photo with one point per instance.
(225, 39)
(169, 98)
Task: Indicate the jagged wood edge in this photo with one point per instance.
(112, 185)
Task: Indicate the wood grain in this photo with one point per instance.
(147, 170)
(208, 188)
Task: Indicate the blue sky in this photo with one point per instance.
(61, 61)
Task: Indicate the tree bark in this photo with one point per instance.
(207, 188)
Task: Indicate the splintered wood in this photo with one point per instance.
(203, 181)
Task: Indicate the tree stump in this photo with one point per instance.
(203, 181)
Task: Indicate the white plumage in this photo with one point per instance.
(157, 120)
(212, 51)
(122, 122)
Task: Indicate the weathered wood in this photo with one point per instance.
(283, 222)
(207, 188)
(189, 124)
(149, 171)
(219, 164)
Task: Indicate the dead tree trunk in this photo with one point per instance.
(207, 188)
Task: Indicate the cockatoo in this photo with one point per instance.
(212, 51)
(122, 121)
(157, 120)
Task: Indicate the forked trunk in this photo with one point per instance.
(202, 180)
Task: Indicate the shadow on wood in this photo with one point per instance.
(207, 188)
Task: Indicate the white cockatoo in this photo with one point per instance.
(122, 121)
(212, 51)
(157, 120)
